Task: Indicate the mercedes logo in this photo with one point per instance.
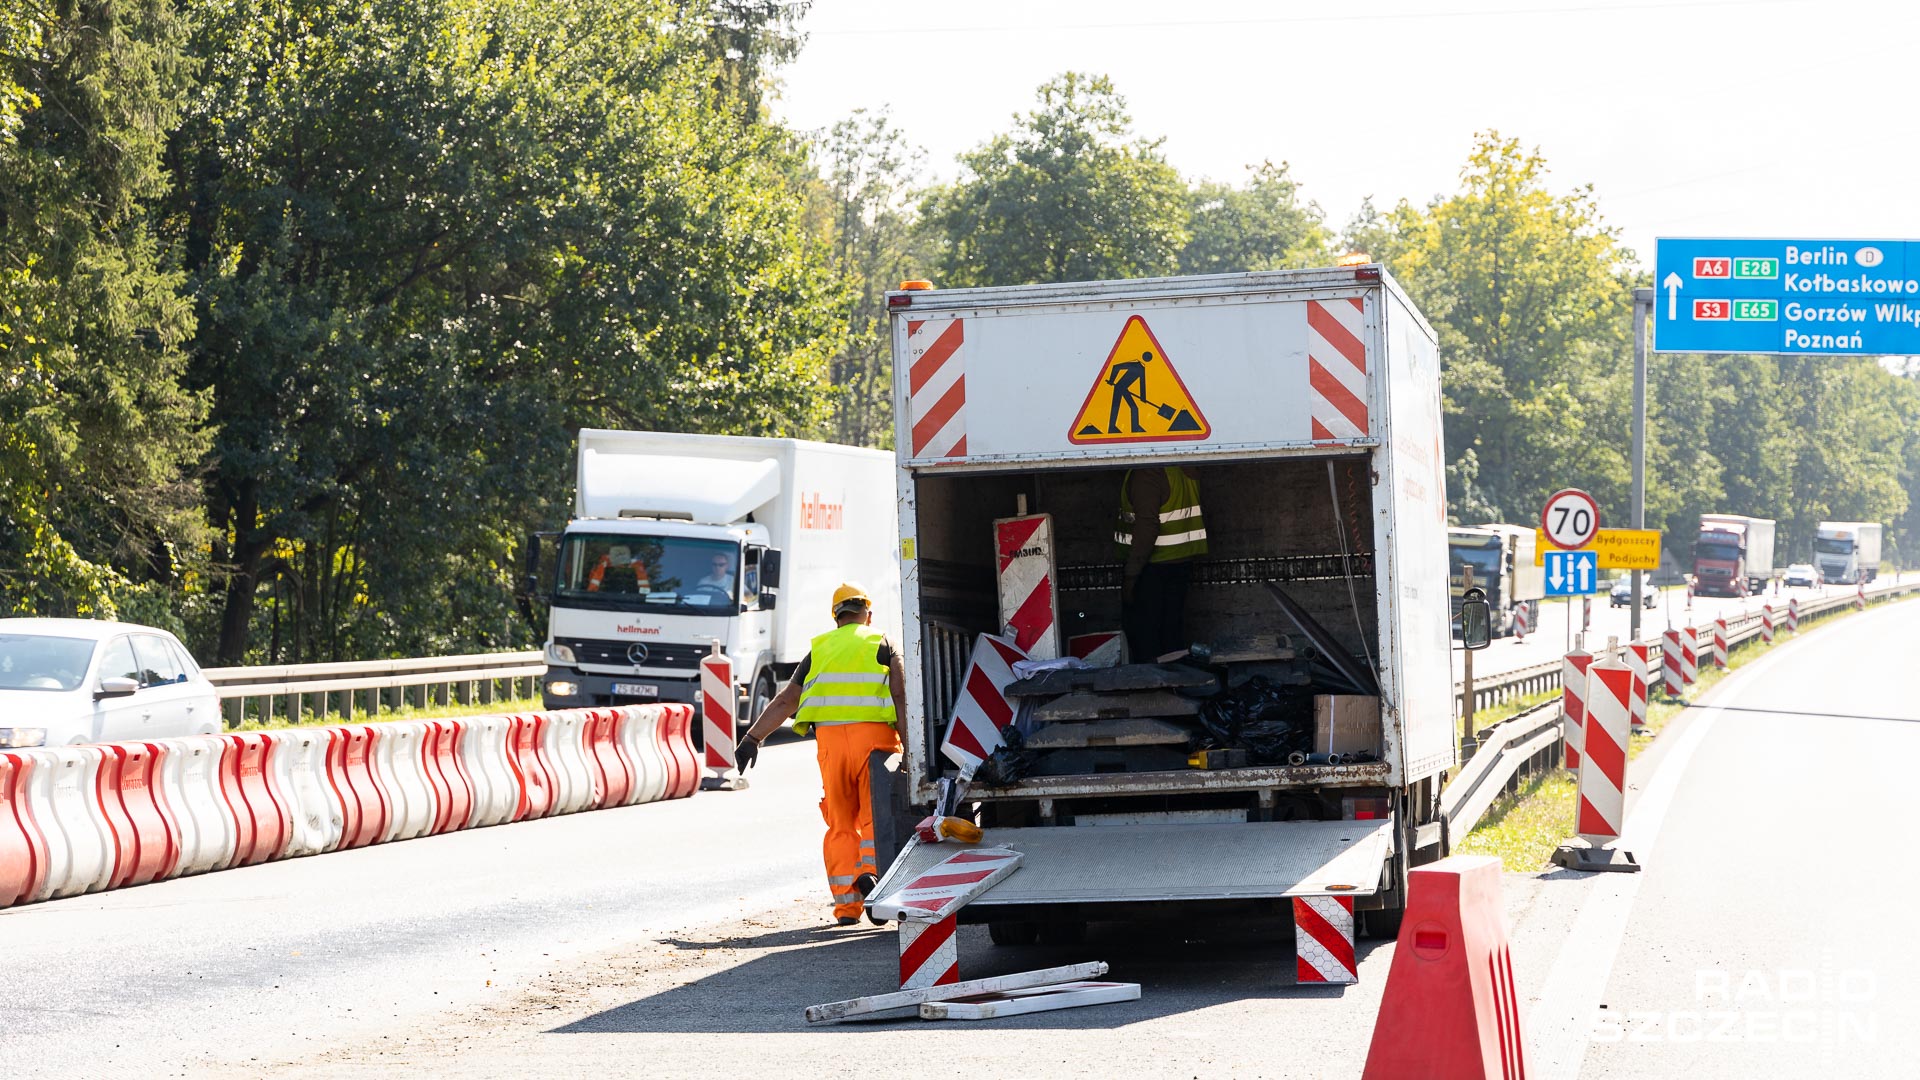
(637, 653)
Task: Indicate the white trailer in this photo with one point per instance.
(1306, 405)
(1847, 552)
(680, 541)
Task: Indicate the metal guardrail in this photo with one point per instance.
(370, 686)
(1529, 741)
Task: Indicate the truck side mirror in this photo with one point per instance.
(1476, 620)
(769, 579)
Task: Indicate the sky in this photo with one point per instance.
(1782, 118)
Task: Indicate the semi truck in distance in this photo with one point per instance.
(1732, 555)
(1294, 744)
(679, 542)
(1847, 552)
(1503, 565)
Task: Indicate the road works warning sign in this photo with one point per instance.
(1138, 396)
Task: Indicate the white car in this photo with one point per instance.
(1802, 574)
(65, 681)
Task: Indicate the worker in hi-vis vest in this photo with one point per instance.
(851, 691)
(1157, 549)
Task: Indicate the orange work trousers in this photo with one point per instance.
(848, 805)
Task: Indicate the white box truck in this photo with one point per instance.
(679, 541)
(1732, 555)
(1306, 407)
(1502, 558)
(1847, 552)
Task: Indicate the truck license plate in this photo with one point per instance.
(634, 689)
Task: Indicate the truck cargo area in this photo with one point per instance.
(1272, 520)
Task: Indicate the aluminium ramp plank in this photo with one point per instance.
(1075, 864)
(995, 984)
(1039, 999)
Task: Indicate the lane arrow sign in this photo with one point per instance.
(1586, 575)
(1672, 285)
(1554, 559)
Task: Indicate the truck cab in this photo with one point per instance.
(1502, 559)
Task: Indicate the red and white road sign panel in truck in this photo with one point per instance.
(1293, 745)
(1732, 555)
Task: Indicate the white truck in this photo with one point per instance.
(680, 541)
(1306, 406)
(1847, 552)
(1502, 558)
(1732, 555)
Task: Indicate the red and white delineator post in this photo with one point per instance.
(1793, 614)
(926, 907)
(717, 723)
(1522, 620)
(1323, 940)
(1720, 643)
(1766, 624)
(1029, 606)
(1860, 597)
(1573, 689)
(1689, 656)
(1586, 614)
(1673, 679)
(1603, 772)
(1639, 657)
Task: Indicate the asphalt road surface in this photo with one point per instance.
(686, 938)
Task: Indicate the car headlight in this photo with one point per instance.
(560, 654)
(23, 736)
(562, 688)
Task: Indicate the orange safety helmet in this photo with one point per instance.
(847, 593)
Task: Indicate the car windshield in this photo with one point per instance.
(625, 572)
(1833, 547)
(39, 662)
(1717, 552)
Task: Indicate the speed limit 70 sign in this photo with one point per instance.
(1571, 519)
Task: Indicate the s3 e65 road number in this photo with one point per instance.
(1570, 519)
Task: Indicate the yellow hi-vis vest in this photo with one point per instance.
(846, 683)
(1183, 532)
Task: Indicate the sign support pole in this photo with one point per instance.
(1642, 312)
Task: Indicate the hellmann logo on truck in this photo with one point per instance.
(817, 513)
(636, 630)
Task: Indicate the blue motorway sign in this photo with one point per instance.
(1787, 296)
(1572, 573)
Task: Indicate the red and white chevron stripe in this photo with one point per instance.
(1689, 656)
(1323, 940)
(1522, 619)
(936, 388)
(929, 953)
(983, 708)
(1793, 614)
(1766, 624)
(1337, 369)
(717, 713)
(1860, 597)
(1639, 657)
(1573, 692)
(1603, 770)
(1673, 677)
(1720, 643)
(1027, 604)
(948, 885)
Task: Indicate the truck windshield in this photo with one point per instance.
(1827, 546)
(1716, 552)
(1484, 560)
(626, 572)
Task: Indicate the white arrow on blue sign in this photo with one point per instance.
(1572, 573)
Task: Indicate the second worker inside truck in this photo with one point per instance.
(1157, 548)
(852, 687)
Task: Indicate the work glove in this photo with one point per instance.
(745, 753)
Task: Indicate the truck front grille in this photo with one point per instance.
(615, 653)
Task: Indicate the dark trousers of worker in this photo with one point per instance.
(847, 804)
(1155, 616)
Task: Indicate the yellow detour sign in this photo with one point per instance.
(1618, 549)
(1138, 396)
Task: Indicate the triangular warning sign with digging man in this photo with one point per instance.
(1138, 396)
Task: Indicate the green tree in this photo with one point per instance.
(98, 442)
(1263, 225)
(869, 168)
(1068, 195)
(429, 240)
